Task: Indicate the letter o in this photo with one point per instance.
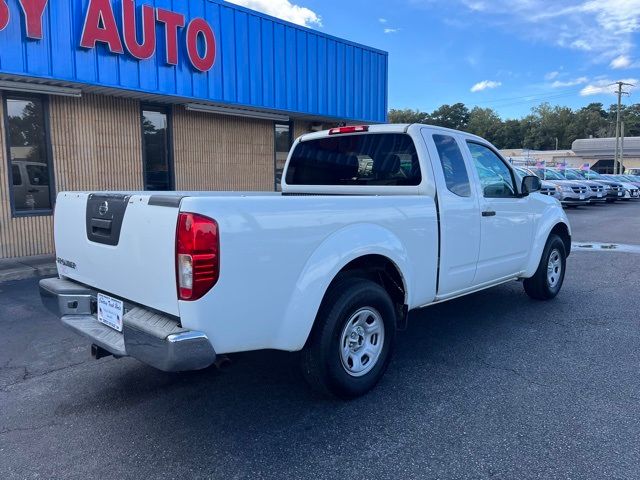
(197, 27)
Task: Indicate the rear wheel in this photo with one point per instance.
(548, 279)
(352, 341)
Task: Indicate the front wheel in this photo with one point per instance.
(352, 341)
(548, 279)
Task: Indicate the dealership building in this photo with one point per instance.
(161, 95)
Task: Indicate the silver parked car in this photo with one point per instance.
(597, 191)
(631, 190)
(548, 188)
(616, 190)
(572, 193)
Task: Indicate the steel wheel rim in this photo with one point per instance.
(554, 268)
(362, 342)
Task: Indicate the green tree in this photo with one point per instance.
(407, 116)
(548, 126)
(631, 118)
(589, 121)
(485, 123)
(511, 135)
(538, 130)
(454, 116)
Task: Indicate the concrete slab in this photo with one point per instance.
(27, 267)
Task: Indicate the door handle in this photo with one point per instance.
(489, 213)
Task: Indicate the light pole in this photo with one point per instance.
(619, 92)
(622, 149)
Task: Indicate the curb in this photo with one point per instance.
(24, 274)
(25, 268)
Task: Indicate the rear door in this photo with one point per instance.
(122, 244)
(506, 218)
(459, 209)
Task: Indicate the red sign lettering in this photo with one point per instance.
(100, 26)
(33, 10)
(196, 29)
(172, 22)
(147, 48)
(5, 15)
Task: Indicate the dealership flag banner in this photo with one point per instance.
(585, 167)
(562, 166)
(540, 165)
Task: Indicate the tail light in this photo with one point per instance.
(197, 255)
(351, 129)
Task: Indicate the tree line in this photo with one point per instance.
(540, 130)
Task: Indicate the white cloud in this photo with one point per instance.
(478, 6)
(569, 83)
(283, 9)
(484, 85)
(473, 59)
(604, 28)
(623, 61)
(382, 20)
(551, 75)
(391, 30)
(604, 86)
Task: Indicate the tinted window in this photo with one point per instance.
(282, 145)
(569, 175)
(15, 171)
(455, 171)
(549, 175)
(28, 147)
(156, 152)
(376, 159)
(495, 177)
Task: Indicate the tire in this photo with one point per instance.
(547, 283)
(341, 357)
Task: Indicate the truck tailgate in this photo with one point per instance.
(120, 244)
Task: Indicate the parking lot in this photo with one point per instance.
(493, 385)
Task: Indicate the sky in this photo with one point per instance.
(509, 55)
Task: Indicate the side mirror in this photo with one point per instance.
(531, 184)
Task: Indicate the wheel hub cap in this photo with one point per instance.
(362, 341)
(554, 268)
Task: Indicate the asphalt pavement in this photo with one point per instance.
(493, 385)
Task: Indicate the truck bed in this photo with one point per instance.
(276, 254)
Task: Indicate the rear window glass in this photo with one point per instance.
(388, 159)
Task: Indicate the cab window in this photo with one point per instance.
(452, 161)
(496, 177)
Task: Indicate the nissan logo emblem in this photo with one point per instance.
(103, 208)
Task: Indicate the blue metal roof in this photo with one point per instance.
(261, 62)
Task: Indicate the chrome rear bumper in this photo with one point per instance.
(153, 338)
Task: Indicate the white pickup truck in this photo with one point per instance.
(372, 222)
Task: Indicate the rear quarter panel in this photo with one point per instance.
(279, 255)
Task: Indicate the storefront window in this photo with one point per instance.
(283, 143)
(156, 149)
(27, 145)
